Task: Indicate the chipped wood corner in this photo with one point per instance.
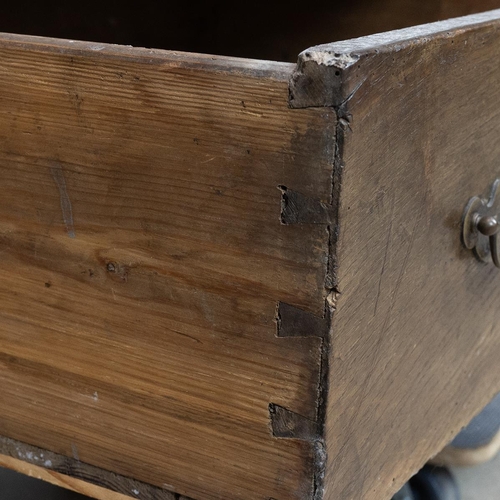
(319, 77)
(328, 75)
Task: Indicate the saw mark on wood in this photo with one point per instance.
(386, 252)
(57, 173)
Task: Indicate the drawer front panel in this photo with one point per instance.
(415, 343)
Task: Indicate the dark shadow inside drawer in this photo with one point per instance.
(264, 30)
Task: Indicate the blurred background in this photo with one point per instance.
(14, 486)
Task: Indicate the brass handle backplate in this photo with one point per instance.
(481, 225)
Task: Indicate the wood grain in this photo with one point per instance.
(174, 239)
(143, 260)
(76, 475)
(415, 341)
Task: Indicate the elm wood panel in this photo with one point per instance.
(166, 359)
(143, 258)
(415, 341)
(95, 433)
(150, 144)
(75, 475)
(193, 402)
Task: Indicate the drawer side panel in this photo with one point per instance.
(144, 259)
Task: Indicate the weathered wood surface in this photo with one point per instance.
(415, 340)
(267, 30)
(169, 237)
(61, 480)
(144, 259)
(70, 473)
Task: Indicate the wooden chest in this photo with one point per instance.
(228, 278)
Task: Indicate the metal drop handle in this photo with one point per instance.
(489, 226)
(481, 226)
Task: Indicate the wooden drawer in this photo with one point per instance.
(232, 278)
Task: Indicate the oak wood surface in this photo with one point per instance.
(415, 341)
(144, 258)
